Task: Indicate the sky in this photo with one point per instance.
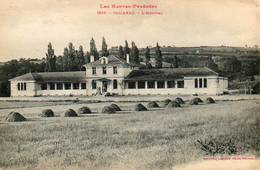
(27, 26)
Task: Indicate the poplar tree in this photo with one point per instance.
(93, 49)
(104, 51)
(50, 59)
(158, 56)
(121, 52)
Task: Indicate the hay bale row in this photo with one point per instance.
(173, 104)
(140, 107)
(210, 100)
(179, 100)
(70, 113)
(84, 110)
(152, 104)
(113, 108)
(47, 113)
(15, 117)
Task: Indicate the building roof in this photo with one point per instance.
(75, 76)
(169, 73)
(113, 60)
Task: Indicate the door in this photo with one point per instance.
(104, 86)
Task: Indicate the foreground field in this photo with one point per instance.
(155, 139)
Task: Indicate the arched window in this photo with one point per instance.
(196, 83)
(114, 84)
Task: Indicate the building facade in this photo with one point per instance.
(117, 76)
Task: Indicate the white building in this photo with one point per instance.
(117, 76)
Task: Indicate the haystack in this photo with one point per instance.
(47, 113)
(70, 113)
(115, 107)
(198, 99)
(152, 104)
(166, 102)
(15, 117)
(179, 100)
(210, 100)
(194, 102)
(84, 110)
(140, 107)
(173, 104)
(108, 109)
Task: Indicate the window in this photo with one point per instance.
(104, 70)
(205, 83)
(52, 86)
(94, 70)
(151, 84)
(200, 83)
(196, 83)
(171, 84)
(83, 85)
(115, 69)
(24, 86)
(75, 85)
(160, 84)
(19, 86)
(94, 84)
(67, 86)
(141, 84)
(44, 86)
(180, 84)
(59, 86)
(131, 85)
(114, 84)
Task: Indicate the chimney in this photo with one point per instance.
(92, 59)
(127, 58)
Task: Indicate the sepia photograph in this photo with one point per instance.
(129, 85)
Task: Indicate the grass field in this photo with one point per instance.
(155, 139)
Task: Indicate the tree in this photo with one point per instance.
(147, 57)
(65, 59)
(121, 52)
(211, 64)
(87, 57)
(93, 49)
(50, 59)
(59, 63)
(158, 57)
(81, 57)
(176, 62)
(126, 49)
(72, 58)
(134, 54)
(104, 51)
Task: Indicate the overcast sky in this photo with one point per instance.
(28, 25)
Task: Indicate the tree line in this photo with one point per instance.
(73, 59)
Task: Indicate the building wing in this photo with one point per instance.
(76, 76)
(168, 73)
